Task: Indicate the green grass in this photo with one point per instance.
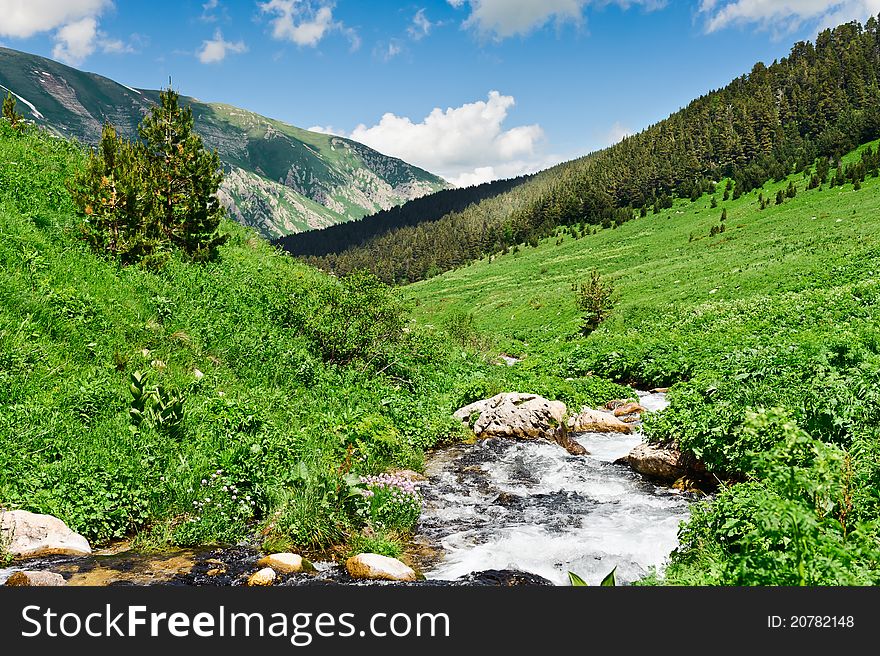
(272, 430)
(665, 262)
(768, 333)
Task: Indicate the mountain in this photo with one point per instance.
(819, 102)
(280, 179)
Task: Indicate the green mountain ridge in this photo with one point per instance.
(280, 179)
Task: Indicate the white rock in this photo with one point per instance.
(265, 576)
(28, 535)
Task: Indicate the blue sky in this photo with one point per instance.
(470, 89)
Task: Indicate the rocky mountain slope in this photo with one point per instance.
(280, 179)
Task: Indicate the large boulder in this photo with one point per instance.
(520, 416)
(374, 567)
(514, 415)
(597, 421)
(28, 535)
(35, 580)
(658, 462)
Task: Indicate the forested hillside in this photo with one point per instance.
(820, 102)
(337, 238)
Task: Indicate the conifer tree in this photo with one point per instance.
(185, 179)
(114, 197)
(15, 119)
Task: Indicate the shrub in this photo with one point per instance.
(358, 318)
(595, 300)
(220, 513)
(462, 327)
(15, 119)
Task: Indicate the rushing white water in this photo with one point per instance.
(530, 506)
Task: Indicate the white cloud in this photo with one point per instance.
(466, 145)
(209, 10)
(304, 23)
(25, 18)
(388, 51)
(76, 41)
(506, 18)
(75, 24)
(215, 50)
(785, 15)
(420, 27)
(616, 134)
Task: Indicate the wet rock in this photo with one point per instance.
(28, 535)
(503, 578)
(283, 563)
(514, 415)
(564, 439)
(506, 499)
(264, 577)
(35, 580)
(629, 409)
(660, 390)
(376, 567)
(659, 462)
(597, 421)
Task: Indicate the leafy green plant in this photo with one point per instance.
(156, 405)
(609, 581)
(370, 541)
(595, 299)
(220, 513)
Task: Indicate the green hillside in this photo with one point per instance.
(268, 383)
(821, 101)
(280, 179)
(767, 333)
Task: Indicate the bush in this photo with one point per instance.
(595, 300)
(221, 513)
(356, 319)
(794, 527)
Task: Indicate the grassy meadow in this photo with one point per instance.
(239, 400)
(767, 333)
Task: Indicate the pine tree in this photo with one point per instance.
(724, 214)
(15, 119)
(114, 198)
(186, 179)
